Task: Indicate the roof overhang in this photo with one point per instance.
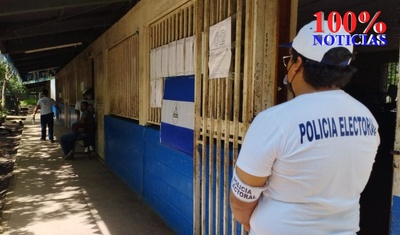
(47, 34)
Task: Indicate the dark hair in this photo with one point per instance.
(326, 75)
(45, 92)
(88, 92)
(85, 103)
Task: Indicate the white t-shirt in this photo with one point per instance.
(46, 104)
(317, 151)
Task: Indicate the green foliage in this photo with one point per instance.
(392, 73)
(28, 102)
(3, 113)
(15, 87)
(2, 71)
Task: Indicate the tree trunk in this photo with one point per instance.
(3, 94)
(17, 105)
(7, 77)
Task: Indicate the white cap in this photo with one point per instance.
(306, 44)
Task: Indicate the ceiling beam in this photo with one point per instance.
(24, 31)
(34, 57)
(48, 59)
(51, 62)
(29, 6)
(20, 46)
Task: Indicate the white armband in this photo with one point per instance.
(245, 192)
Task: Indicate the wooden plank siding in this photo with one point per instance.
(224, 107)
(176, 25)
(123, 78)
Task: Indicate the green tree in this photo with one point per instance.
(11, 86)
(16, 90)
(3, 81)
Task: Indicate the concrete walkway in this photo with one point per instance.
(52, 196)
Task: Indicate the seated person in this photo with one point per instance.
(83, 126)
(87, 96)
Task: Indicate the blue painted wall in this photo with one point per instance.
(161, 176)
(395, 226)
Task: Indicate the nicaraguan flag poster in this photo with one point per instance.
(177, 114)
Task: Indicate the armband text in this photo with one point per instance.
(245, 192)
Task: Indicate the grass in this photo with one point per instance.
(27, 102)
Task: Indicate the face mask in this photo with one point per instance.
(285, 80)
(289, 84)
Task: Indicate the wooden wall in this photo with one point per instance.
(119, 60)
(224, 107)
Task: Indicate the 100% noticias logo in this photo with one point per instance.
(349, 23)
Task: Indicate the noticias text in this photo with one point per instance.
(347, 40)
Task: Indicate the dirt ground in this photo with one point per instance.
(10, 136)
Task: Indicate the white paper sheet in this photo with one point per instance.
(165, 60)
(157, 92)
(158, 60)
(189, 55)
(172, 59)
(220, 49)
(180, 57)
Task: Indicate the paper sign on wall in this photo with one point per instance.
(220, 49)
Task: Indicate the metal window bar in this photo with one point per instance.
(176, 25)
(123, 78)
(219, 115)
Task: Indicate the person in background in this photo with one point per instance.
(45, 104)
(87, 96)
(304, 163)
(86, 123)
